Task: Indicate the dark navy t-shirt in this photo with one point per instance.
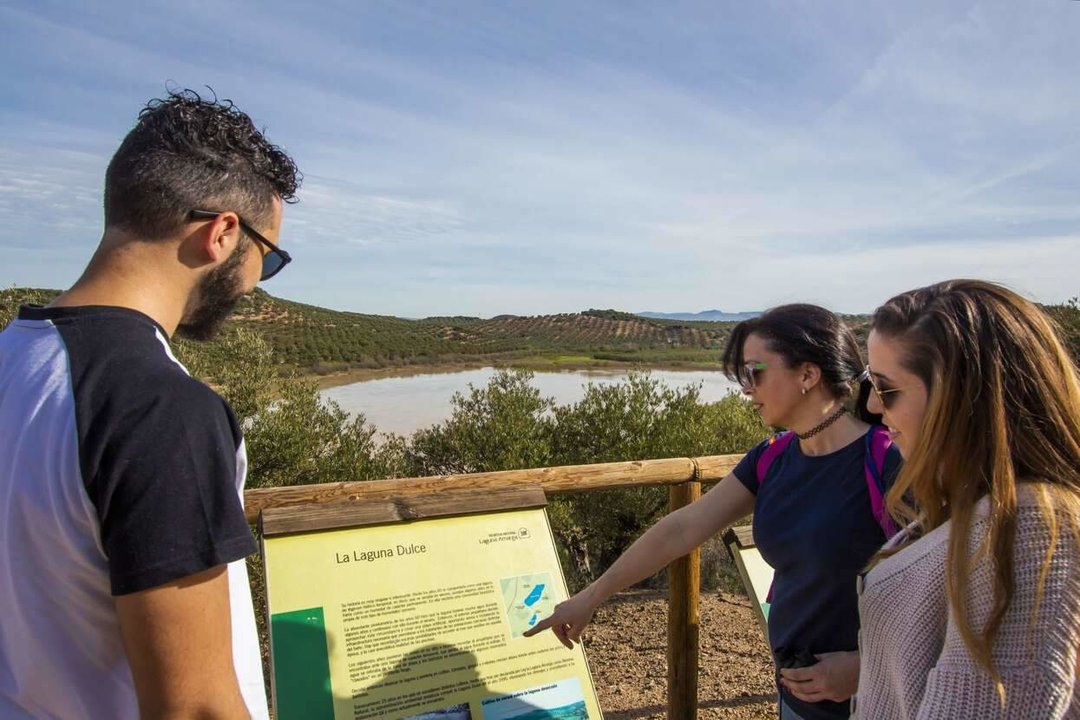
(813, 525)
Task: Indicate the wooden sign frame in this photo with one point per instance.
(739, 542)
(274, 522)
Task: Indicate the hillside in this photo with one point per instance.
(315, 339)
(307, 336)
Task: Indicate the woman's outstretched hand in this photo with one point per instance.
(568, 620)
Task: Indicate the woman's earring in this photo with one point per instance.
(804, 391)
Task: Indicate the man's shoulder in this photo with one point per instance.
(121, 363)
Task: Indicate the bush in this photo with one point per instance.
(12, 298)
(503, 426)
(637, 419)
(1067, 317)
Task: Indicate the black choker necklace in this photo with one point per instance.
(822, 425)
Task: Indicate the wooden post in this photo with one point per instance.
(684, 577)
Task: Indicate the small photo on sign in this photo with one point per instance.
(454, 712)
(555, 701)
(527, 599)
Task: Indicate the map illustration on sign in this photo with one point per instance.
(528, 599)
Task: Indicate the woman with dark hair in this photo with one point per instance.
(973, 610)
(809, 493)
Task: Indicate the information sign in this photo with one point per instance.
(419, 618)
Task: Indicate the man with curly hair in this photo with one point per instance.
(123, 587)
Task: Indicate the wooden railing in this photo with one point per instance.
(683, 476)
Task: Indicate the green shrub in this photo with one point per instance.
(1067, 317)
(12, 298)
(502, 426)
(640, 418)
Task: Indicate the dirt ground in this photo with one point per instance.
(627, 649)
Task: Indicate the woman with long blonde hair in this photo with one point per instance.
(973, 611)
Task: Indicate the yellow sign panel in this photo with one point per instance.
(422, 619)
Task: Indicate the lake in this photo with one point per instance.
(406, 404)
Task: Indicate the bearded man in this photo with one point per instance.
(123, 588)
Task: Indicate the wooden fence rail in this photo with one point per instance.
(684, 476)
(566, 479)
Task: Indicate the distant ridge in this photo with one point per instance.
(704, 315)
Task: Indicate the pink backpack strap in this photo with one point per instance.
(777, 444)
(877, 446)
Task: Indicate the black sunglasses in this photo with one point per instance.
(273, 260)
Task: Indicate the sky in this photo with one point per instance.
(482, 158)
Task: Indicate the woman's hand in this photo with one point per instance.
(835, 677)
(568, 619)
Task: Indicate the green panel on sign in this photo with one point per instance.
(301, 666)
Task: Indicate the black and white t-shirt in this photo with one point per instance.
(118, 472)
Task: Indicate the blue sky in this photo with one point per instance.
(521, 157)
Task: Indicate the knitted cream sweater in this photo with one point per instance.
(914, 663)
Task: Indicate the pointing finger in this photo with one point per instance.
(538, 627)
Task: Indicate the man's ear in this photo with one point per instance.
(219, 238)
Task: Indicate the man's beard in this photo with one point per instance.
(218, 293)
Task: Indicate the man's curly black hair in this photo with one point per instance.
(186, 153)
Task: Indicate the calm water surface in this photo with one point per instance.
(406, 404)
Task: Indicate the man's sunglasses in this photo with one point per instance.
(882, 395)
(273, 260)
